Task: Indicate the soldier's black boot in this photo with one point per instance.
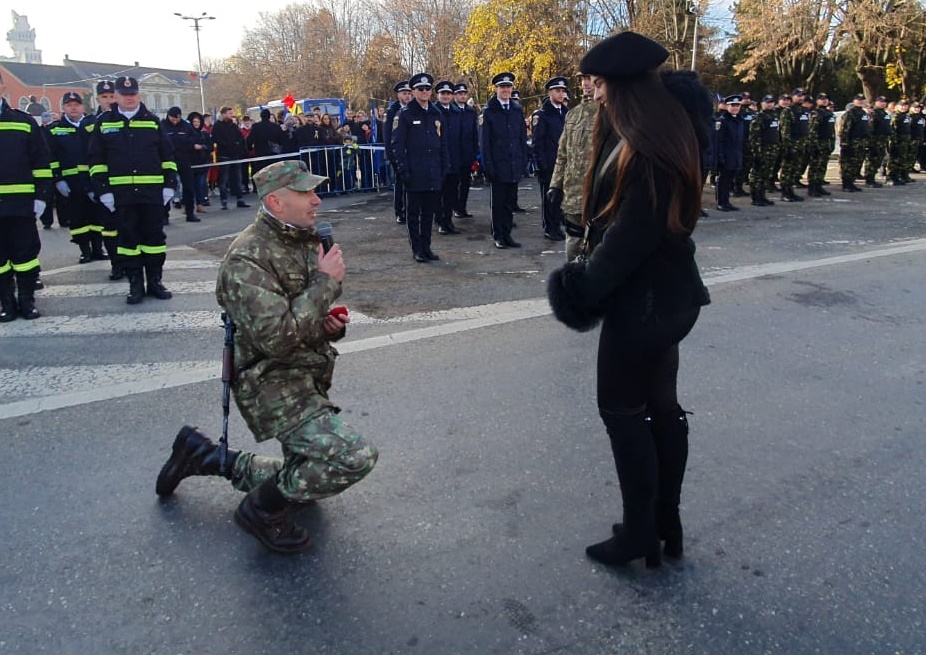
(262, 514)
(96, 247)
(635, 458)
(786, 194)
(812, 192)
(755, 199)
(8, 309)
(155, 288)
(764, 198)
(136, 286)
(793, 197)
(193, 454)
(25, 292)
(822, 191)
(86, 252)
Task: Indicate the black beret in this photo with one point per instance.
(400, 86)
(503, 79)
(70, 96)
(623, 55)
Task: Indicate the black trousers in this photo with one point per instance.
(141, 242)
(229, 178)
(551, 215)
(19, 244)
(187, 181)
(420, 206)
(398, 194)
(725, 179)
(78, 212)
(502, 199)
(448, 197)
(463, 183)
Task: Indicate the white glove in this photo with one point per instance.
(91, 195)
(167, 194)
(63, 188)
(108, 201)
(38, 206)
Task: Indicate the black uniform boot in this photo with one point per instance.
(793, 197)
(822, 191)
(8, 308)
(812, 191)
(635, 458)
(755, 199)
(136, 286)
(25, 292)
(262, 514)
(766, 202)
(193, 454)
(96, 247)
(86, 253)
(155, 288)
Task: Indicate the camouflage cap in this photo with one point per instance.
(292, 174)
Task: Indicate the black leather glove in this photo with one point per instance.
(574, 230)
(555, 197)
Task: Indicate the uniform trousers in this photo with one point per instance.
(19, 244)
(463, 182)
(448, 199)
(725, 178)
(551, 216)
(398, 194)
(77, 211)
(503, 197)
(321, 458)
(420, 208)
(141, 242)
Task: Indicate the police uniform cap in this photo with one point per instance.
(126, 85)
(174, 112)
(71, 96)
(401, 86)
(807, 99)
(556, 83)
(515, 95)
(421, 80)
(918, 105)
(460, 88)
(822, 96)
(292, 174)
(444, 86)
(623, 55)
(746, 95)
(768, 98)
(784, 96)
(903, 101)
(733, 100)
(880, 99)
(798, 92)
(858, 96)
(104, 86)
(503, 79)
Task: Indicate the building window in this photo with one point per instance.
(23, 103)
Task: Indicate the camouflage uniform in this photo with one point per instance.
(877, 144)
(899, 147)
(271, 288)
(569, 173)
(764, 141)
(853, 138)
(793, 122)
(742, 175)
(821, 139)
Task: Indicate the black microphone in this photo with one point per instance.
(324, 232)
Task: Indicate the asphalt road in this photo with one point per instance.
(802, 505)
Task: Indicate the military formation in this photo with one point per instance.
(773, 144)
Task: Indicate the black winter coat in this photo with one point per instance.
(729, 139)
(469, 137)
(419, 144)
(503, 142)
(229, 140)
(546, 129)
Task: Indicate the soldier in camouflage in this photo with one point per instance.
(572, 157)
(854, 134)
(793, 122)
(277, 284)
(821, 139)
(898, 146)
(877, 142)
(764, 140)
(747, 112)
(917, 134)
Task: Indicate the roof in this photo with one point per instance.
(93, 70)
(42, 74)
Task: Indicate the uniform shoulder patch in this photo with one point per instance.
(535, 119)
(395, 121)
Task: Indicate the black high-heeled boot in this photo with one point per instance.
(635, 458)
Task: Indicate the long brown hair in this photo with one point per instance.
(656, 131)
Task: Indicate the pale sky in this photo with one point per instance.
(126, 32)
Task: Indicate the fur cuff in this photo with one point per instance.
(563, 299)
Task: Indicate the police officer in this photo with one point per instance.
(503, 143)
(419, 145)
(854, 134)
(547, 128)
(134, 174)
(69, 139)
(105, 98)
(469, 146)
(25, 188)
(186, 148)
(452, 121)
(877, 142)
(572, 158)
(403, 94)
(765, 142)
(821, 139)
(730, 135)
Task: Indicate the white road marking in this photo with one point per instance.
(98, 380)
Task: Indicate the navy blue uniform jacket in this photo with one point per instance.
(547, 128)
(503, 142)
(419, 144)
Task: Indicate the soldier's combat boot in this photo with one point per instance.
(822, 191)
(193, 454)
(812, 192)
(7, 298)
(764, 198)
(155, 288)
(136, 286)
(25, 292)
(793, 196)
(755, 199)
(262, 514)
(86, 253)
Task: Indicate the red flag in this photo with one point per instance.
(289, 101)
(192, 75)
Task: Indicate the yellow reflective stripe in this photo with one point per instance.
(99, 168)
(17, 188)
(169, 165)
(111, 126)
(55, 164)
(153, 250)
(41, 173)
(109, 233)
(144, 124)
(122, 180)
(80, 230)
(127, 252)
(6, 268)
(22, 127)
(63, 130)
(26, 266)
(69, 171)
(95, 228)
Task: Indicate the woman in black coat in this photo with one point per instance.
(640, 279)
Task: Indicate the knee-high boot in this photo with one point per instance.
(636, 461)
(670, 434)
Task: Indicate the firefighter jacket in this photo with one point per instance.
(25, 167)
(132, 159)
(69, 144)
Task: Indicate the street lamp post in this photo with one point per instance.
(694, 11)
(199, 57)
